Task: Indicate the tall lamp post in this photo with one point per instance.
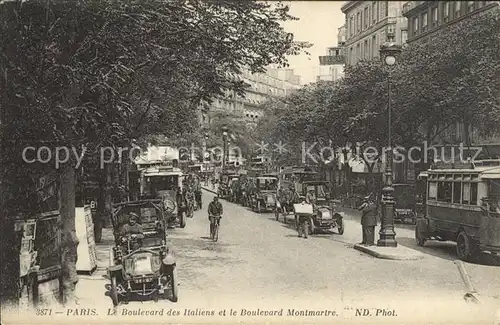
(388, 53)
(224, 150)
(205, 153)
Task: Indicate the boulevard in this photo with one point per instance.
(259, 263)
(115, 113)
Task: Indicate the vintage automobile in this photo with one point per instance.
(163, 182)
(224, 189)
(141, 267)
(324, 215)
(463, 205)
(405, 203)
(296, 175)
(264, 198)
(292, 176)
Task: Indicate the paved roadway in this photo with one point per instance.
(261, 263)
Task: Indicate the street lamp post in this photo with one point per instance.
(205, 150)
(388, 53)
(224, 149)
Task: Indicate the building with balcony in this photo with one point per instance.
(331, 66)
(261, 87)
(369, 24)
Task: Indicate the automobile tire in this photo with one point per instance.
(466, 247)
(182, 222)
(113, 292)
(174, 285)
(419, 237)
(341, 226)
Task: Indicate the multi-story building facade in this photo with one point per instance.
(427, 18)
(331, 66)
(369, 24)
(262, 86)
(426, 21)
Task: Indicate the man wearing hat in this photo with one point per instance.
(368, 220)
(215, 211)
(132, 227)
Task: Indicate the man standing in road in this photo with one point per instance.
(368, 221)
(214, 210)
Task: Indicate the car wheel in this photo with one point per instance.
(466, 247)
(174, 284)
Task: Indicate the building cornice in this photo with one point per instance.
(349, 5)
(412, 6)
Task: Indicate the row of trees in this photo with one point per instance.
(103, 73)
(455, 77)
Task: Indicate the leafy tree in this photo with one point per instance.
(106, 73)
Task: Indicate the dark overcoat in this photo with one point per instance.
(369, 216)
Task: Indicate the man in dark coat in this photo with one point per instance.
(368, 221)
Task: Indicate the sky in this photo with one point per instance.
(318, 24)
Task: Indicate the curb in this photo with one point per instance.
(390, 253)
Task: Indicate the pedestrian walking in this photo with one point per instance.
(368, 220)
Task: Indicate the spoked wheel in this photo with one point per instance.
(259, 208)
(466, 247)
(216, 233)
(113, 291)
(174, 285)
(277, 213)
(419, 237)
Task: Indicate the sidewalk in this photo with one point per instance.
(89, 285)
(354, 237)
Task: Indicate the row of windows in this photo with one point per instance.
(369, 47)
(453, 192)
(442, 12)
(265, 80)
(367, 17)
